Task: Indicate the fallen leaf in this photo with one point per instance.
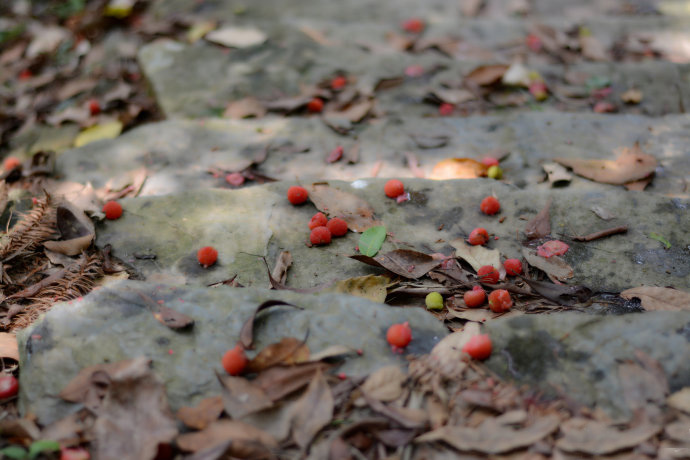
(313, 411)
(659, 298)
(540, 225)
(280, 381)
(552, 248)
(632, 96)
(399, 42)
(358, 214)
(244, 108)
(283, 263)
(331, 352)
(447, 357)
(660, 239)
(631, 165)
(242, 436)
(458, 168)
(678, 431)
(452, 96)
(556, 174)
(247, 331)
(372, 287)
(403, 416)
(200, 416)
(680, 400)
(288, 351)
(486, 75)
(385, 384)
(8, 346)
(242, 397)
(335, 155)
(371, 240)
(76, 229)
(517, 75)
(598, 438)
(236, 37)
(46, 39)
(172, 318)
(355, 112)
(495, 435)
(477, 256)
(553, 266)
(592, 48)
(109, 130)
(477, 315)
(602, 213)
(560, 294)
(404, 262)
(289, 104)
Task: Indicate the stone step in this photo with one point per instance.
(246, 224)
(166, 148)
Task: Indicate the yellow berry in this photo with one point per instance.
(434, 301)
(495, 172)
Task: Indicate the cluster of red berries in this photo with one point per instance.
(322, 229)
(499, 300)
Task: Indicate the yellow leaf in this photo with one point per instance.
(370, 287)
(108, 130)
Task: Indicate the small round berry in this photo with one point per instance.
(10, 163)
(495, 172)
(9, 386)
(112, 210)
(513, 266)
(338, 83)
(399, 335)
(500, 301)
(490, 161)
(445, 109)
(475, 298)
(207, 256)
(434, 301)
(318, 220)
(337, 226)
(74, 453)
(315, 105)
(394, 188)
(490, 205)
(320, 235)
(297, 194)
(488, 274)
(234, 361)
(478, 347)
(413, 25)
(94, 107)
(478, 236)
(235, 179)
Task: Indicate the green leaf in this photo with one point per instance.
(660, 239)
(371, 240)
(14, 452)
(41, 446)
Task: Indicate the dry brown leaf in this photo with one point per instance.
(486, 75)
(166, 315)
(203, 414)
(478, 256)
(540, 225)
(134, 417)
(553, 266)
(237, 37)
(495, 435)
(680, 400)
(8, 346)
(631, 165)
(592, 48)
(358, 214)
(76, 230)
(556, 174)
(598, 438)
(659, 298)
(247, 331)
(224, 430)
(241, 397)
(385, 384)
(399, 42)
(245, 108)
(458, 168)
(632, 96)
(404, 262)
(446, 356)
(280, 381)
(288, 351)
(372, 287)
(313, 411)
(283, 263)
(477, 315)
(355, 112)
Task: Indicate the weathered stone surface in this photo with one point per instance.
(249, 223)
(577, 356)
(166, 148)
(114, 323)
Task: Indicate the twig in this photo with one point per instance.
(602, 233)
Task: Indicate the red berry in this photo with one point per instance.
(9, 386)
(94, 107)
(235, 179)
(10, 163)
(338, 83)
(478, 347)
(513, 266)
(234, 361)
(488, 274)
(112, 210)
(337, 226)
(414, 70)
(297, 194)
(534, 43)
(74, 453)
(478, 236)
(318, 220)
(490, 161)
(25, 74)
(490, 205)
(413, 25)
(475, 297)
(315, 105)
(207, 256)
(399, 335)
(320, 235)
(445, 109)
(394, 188)
(500, 301)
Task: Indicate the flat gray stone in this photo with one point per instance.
(113, 324)
(577, 356)
(246, 224)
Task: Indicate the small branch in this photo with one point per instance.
(602, 234)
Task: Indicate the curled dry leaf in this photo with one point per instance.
(553, 266)
(242, 436)
(237, 37)
(540, 225)
(486, 75)
(283, 263)
(241, 397)
(203, 414)
(478, 256)
(166, 315)
(313, 411)
(659, 298)
(404, 262)
(247, 331)
(76, 229)
(680, 400)
(280, 381)
(458, 168)
(385, 384)
(560, 294)
(245, 108)
(592, 48)
(631, 165)
(288, 351)
(556, 174)
(358, 214)
(598, 438)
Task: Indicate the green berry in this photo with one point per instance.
(434, 301)
(495, 172)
